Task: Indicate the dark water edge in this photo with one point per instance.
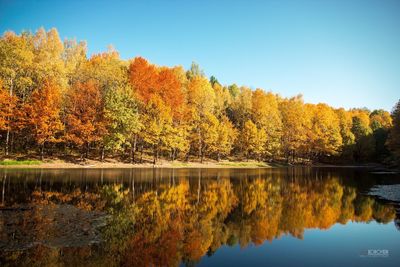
(208, 217)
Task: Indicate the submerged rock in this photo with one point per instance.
(53, 225)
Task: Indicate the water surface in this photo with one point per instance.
(204, 217)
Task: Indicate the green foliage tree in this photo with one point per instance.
(121, 112)
(194, 71)
(393, 141)
(380, 123)
(364, 145)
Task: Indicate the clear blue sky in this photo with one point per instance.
(342, 52)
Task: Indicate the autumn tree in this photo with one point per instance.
(380, 118)
(348, 138)
(74, 57)
(209, 129)
(325, 131)
(7, 106)
(252, 140)
(107, 69)
(84, 120)
(222, 99)
(296, 125)
(156, 118)
(44, 110)
(169, 88)
(16, 65)
(48, 60)
(265, 113)
(156, 87)
(201, 101)
(201, 95)
(219, 136)
(120, 107)
(143, 78)
(240, 111)
(227, 135)
(176, 138)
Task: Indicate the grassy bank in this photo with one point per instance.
(10, 162)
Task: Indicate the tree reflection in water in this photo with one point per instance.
(172, 219)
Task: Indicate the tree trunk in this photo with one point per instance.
(173, 154)
(8, 130)
(102, 153)
(188, 153)
(12, 143)
(154, 154)
(87, 150)
(141, 153)
(42, 151)
(200, 148)
(133, 149)
(7, 141)
(132, 155)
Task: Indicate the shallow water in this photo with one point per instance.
(204, 217)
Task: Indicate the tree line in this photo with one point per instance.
(57, 101)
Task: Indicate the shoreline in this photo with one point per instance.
(94, 164)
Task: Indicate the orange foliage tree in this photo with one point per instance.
(44, 114)
(149, 81)
(143, 77)
(84, 115)
(7, 106)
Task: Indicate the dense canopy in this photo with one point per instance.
(57, 101)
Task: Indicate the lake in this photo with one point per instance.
(199, 217)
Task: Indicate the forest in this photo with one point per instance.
(57, 102)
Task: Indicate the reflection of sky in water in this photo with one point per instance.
(389, 192)
(341, 245)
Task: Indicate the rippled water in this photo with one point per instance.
(205, 217)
